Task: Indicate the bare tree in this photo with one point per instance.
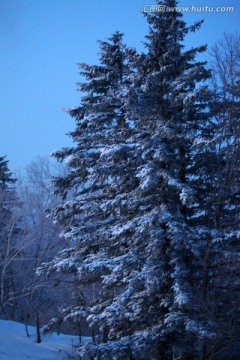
(223, 265)
(9, 252)
(39, 240)
(225, 64)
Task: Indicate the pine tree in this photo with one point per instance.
(103, 148)
(136, 219)
(169, 105)
(8, 228)
(6, 177)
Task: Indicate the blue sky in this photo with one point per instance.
(41, 43)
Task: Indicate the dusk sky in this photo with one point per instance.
(41, 43)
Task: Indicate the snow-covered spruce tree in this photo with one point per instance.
(169, 103)
(138, 235)
(97, 170)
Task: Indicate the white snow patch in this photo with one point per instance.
(14, 344)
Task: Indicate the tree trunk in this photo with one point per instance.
(105, 334)
(38, 330)
(93, 336)
(26, 329)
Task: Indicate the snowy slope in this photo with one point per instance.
(15, 345)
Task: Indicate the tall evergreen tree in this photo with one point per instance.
(103, 147)
(8, 228)
(6, 177)
(6, 180)
(169, 105)
(136, 220)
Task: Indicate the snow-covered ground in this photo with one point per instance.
(15, 345)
